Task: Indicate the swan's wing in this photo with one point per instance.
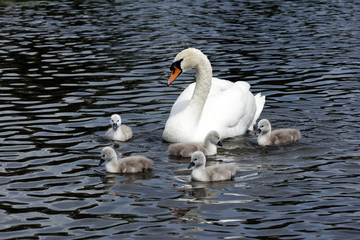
(229, 105)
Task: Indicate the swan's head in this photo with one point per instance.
(263, 127)
(115, 121)
(197, 159)
(107, 154)
(185, 60)
(214, 138)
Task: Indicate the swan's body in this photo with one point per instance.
(210, 103)
(279, 136)
(186, 149)
(118, 131)
(219, 172)
(133, 164)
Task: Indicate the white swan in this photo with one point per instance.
(186, 149)
(133, 164)
(218, 172)
(279, 136)
(210, 103)
(118, 131)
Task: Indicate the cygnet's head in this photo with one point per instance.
(185, 60)
(107, 153)
(214, 138)
(263, 127)
(197, 159)
(115, 121)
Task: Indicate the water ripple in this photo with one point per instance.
(65, 67)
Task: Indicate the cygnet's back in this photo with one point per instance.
(285, 135)
(279, 136)
(187, 149)
(219, 172)
(135, 164)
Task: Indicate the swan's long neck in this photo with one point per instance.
(202, 87)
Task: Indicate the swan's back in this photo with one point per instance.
(229, 109)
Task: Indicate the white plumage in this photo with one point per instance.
(210, 103)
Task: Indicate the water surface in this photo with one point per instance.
(66, 66)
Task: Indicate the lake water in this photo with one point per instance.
(66, 66)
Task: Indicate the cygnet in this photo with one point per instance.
(219, 172)
(279, 136)
(186, 149)
(133, 164)
(118, 131)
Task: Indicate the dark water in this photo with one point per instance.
(65, 67)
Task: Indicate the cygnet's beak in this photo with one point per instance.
(101, 162)
(114, 126)
(258, 131)
(220, 143)
(191, 165)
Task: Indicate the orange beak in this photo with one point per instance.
(174, 74)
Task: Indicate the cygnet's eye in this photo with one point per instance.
(195, 159)
(103, 155)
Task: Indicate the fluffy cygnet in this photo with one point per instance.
(186, 149)
(133, 164)
(279, 136)
(219, 172)
(118, 131)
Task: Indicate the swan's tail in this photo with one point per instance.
(260, 102)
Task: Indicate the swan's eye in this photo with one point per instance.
(177, 65)
(103, 155)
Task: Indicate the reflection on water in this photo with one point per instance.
(66, 66)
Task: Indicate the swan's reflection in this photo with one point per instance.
(203, 190)
(111, 179)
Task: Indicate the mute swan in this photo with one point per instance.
(279, 136)
(186, 149)
(133, 164)
(219, 172)
(118, 131)
(210, 103)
